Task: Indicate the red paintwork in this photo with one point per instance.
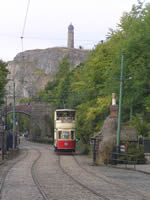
(70, 144)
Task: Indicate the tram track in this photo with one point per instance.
(5, 173)
(33, 174)
(66, 165)
(35, 179)
(102, 197)
(114, 182)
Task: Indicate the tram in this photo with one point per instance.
(64, 130)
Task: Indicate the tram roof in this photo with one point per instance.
(64, 110)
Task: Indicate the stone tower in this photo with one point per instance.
(70, 36)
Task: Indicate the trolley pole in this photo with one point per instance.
(120, 103)
(14, 116)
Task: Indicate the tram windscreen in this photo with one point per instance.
(65, 114)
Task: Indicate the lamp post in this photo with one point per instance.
(3, 127)
(120, 102)
(14, 115)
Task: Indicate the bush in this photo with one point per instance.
(138, 153)
(82, 148)
(44, 140)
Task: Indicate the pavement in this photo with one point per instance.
(9, 155)
(143, 168)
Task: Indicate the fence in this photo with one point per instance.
(122, 158)
(146, 145)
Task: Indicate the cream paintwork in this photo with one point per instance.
(63, 124)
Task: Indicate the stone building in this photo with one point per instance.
(70, 36)
(107, 137)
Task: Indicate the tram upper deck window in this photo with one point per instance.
(65, 115)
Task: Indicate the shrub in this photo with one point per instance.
(44, 140)
(138, 153)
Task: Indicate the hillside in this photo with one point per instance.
(32, 69)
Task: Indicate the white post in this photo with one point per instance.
(113, 99)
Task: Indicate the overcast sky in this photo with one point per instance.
(47, 23)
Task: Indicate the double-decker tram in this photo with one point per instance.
(64, 130)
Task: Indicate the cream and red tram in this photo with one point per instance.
(64, 130)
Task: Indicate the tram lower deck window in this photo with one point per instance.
(72, 135)
(59, 133)
(66, 135)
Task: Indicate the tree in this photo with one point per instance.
(63, 69)
(3, 79)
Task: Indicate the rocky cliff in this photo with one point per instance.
(32, 69)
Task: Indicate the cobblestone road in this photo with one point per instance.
(41, 174)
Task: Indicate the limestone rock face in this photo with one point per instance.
(32, 69)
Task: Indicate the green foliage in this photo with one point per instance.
(3, 79)
(142, 126)
(40, 72)
(25, 100)
(64, 67)
(23, 122)
(44, 140)
(138, 153)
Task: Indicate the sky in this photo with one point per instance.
(47, 21)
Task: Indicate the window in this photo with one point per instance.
(59, 133)
(72, 135)
(65, 115)
(66, 135)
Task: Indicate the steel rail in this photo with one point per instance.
(132, 189)
(34, 177)
(81, 184)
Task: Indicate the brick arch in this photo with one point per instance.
(36, 112)
(25, 109)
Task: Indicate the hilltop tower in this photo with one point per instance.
(70, 36)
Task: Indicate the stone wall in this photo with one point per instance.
(41, 123)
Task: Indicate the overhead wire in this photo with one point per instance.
(24, 25)
(40, 38)
(48, 38)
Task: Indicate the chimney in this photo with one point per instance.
(114, 107)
